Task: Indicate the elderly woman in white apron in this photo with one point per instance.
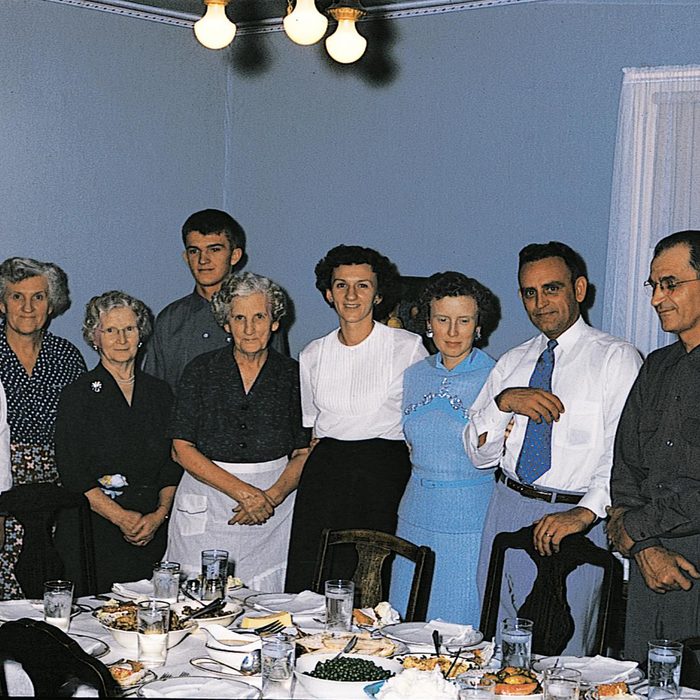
(238, 434)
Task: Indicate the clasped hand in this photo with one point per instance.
(255, 506)
(139, 529)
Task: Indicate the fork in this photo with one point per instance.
(271, 628)
(165, 676)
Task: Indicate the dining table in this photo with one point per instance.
(97, 639)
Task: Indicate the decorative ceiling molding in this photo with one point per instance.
(409, 8)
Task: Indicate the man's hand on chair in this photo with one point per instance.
(552, 529)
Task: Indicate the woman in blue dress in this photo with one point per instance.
(446, 498)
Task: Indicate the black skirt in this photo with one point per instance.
(345, 484)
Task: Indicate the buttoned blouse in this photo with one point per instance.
(32, 400)
(354, 392)
(213, 411)
(593, 373)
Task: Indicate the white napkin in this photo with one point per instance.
(14, 609)
(88, 644)
(452, 634)
(600, 669)
(135, 589)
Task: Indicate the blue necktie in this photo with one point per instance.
(536, 453)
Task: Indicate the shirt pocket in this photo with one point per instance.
(192, 511)
(582, 425)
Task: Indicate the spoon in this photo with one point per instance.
(250, 666)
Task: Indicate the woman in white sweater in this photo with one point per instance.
(351, 390)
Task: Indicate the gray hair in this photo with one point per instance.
(14, 270)
(104, 303)
(244, 285)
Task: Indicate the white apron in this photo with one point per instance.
(199, 520)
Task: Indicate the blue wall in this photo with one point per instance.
(498, 129)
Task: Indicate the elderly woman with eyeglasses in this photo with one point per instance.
(35, 365)
(111, 445)
(237, 432)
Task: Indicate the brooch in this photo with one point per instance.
(96, 387)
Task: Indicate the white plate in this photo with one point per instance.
(195, 687)
(97, 646)
(413, 633)
(634, 676)
(146, 678)
(287, 602)
(74, 609)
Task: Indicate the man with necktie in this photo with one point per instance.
(547, 415)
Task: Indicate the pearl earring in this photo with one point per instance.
(429, 332)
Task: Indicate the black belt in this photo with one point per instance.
(530, 492)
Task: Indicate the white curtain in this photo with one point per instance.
(655, 191)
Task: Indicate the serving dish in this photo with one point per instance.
(339, 690)
(419, 634)
(129, 639)
(225, 617)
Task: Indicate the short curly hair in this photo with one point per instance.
(244, 285)
(388, 278)
(14, 270)
(456, 284)
(115, 299)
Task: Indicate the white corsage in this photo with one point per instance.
(110, 483)
(96, 387)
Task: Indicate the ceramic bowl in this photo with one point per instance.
(340, 690)
(128, 639)
(230, 612)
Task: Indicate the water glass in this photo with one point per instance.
(152, 626)
(516, 641)
(166, 581)
(340, 596)
(664, 669)
(473, 687)
(214, 573)
(561, 683)
(58, 600)
(277, 657)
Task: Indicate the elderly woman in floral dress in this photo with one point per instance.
(35, 365)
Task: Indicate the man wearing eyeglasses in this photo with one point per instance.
(655, 516)
(547, 416)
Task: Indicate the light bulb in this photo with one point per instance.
(346, 45)
(215, 30)
(305, 24)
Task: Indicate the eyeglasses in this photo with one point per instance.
(113, 332)
(667, 285)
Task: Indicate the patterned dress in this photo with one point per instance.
(32, 402)
(446, 498)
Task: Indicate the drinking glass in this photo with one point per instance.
(166, 581)
(277, 657)
(561, 683)
(214, 573)
(516, 641)
(474, 688)
(340, 595)
(664, 669)
(152, 626)
(58, 600)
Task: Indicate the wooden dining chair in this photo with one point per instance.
(375, 550)
(546, 605)
(35, 507)
(55, 663)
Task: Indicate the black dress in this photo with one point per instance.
(97, 434)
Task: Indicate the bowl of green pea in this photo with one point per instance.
(344, 678)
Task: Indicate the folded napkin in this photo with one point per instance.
(304, 603)
(599, 669)
(215, 688)
(453, 634)
(134, 589)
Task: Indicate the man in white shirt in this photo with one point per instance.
(561, 393)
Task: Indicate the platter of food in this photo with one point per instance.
(223, 616)
(611, 691)
(451, 665)
(130, 674)
(322, 643)
(120, 619)
(516, 681)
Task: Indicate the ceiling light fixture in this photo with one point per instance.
(304, 25)
(346, 44)
(215, 30)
